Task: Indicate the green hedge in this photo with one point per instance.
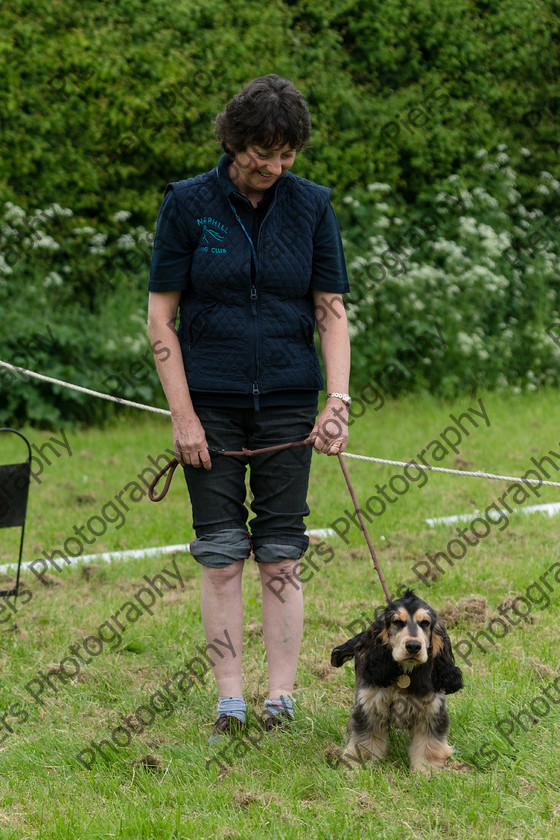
(103, 103)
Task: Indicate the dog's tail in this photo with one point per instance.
(343, 653)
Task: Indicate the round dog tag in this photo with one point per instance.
(403, 681)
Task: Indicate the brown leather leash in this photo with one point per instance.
(364, 529)
(172, 465)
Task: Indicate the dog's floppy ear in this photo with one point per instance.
(374, 662)
(343, 653)
(446, 676)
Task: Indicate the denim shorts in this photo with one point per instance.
(276, 487)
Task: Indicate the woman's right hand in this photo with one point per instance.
(189, 443)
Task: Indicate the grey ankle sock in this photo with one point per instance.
(233, 706)
(283, 705)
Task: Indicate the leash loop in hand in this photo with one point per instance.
(172, 465)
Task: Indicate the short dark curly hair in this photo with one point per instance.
(269, 112)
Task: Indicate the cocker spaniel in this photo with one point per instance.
(404, 669)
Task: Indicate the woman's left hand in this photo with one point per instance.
(330, 432)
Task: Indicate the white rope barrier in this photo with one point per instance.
(478, 474)
(85, 390)
(121, 401)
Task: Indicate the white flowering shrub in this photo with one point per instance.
(477, 259)
(93, 261)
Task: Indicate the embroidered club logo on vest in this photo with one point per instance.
(213, 232)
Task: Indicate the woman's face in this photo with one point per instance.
(255, 170)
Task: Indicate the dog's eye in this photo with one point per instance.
(399, 624)
(424, 624)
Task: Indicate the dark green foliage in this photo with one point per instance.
(103, 104)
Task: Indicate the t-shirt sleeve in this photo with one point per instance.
(172, 250)
(328, 273)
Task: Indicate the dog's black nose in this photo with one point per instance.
(413, 647)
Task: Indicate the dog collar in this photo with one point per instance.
(403, 681)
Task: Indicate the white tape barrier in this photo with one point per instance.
(552, 508)
(137, 553)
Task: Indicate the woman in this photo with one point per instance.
(251, 257)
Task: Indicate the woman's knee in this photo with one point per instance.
(282, 569)
(223, 576)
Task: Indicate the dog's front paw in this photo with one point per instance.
(428, 754)
(358, 755)
(427, 767)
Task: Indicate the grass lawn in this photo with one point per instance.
(161, 785)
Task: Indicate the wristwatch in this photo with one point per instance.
(346, 398)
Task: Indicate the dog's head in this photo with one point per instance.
(408, 627)
(408, 635)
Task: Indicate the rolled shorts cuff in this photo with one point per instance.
(221, 548)
(276, 552)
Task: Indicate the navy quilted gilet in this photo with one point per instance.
(238, 336)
